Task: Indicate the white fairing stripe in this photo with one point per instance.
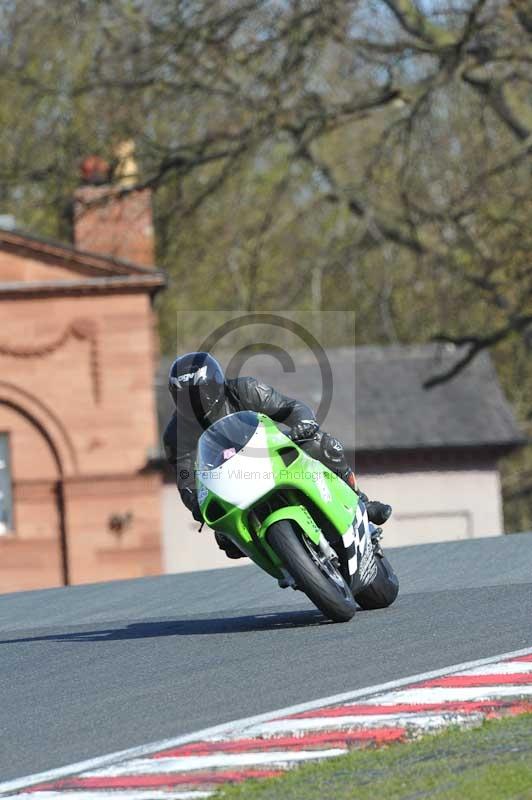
(348, 538)
(246, 477)
(361, 517)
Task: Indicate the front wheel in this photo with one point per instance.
(313, 573)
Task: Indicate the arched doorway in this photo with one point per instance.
(34, 552)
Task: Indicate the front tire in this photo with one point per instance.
(320, 580)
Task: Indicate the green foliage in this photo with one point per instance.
(367, 155)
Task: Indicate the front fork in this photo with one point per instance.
(327, 551)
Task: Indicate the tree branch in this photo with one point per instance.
(493, 91)
(475, 345)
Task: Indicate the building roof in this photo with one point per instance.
(378, 402)
(97, 272)
(114, 283)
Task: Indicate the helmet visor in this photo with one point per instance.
(199, 402)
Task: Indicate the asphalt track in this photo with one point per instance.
(99, 668)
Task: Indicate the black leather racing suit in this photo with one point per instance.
(180, 441)
(242, 394)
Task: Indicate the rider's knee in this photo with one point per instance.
(332, 450)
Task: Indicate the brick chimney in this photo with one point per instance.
(110, 217)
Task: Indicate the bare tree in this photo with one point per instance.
(350, 153)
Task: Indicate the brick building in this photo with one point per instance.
(78, 500)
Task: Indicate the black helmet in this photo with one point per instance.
(197, 385)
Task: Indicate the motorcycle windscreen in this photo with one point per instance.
(225, 438)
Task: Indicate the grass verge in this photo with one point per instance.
(490, 762)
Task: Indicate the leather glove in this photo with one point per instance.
(304, 429)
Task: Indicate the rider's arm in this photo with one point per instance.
(182, 462)
(257, 396)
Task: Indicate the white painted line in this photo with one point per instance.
(423, 721)
(165, 766)
(445, 694)
(508, 668)
(230, 728)
(114, 794)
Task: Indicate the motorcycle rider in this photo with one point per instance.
(202, 395)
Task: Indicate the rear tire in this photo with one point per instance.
(331, 595)
(383, 589)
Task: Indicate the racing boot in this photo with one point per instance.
(230, 549)
(378, 512)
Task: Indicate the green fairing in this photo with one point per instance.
(304, 477)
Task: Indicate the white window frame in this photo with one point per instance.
(7, 523)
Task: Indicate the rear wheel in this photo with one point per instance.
(314, 573)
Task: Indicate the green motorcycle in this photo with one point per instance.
(294, 518)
